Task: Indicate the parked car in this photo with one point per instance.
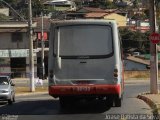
(7, 91)
(136, 53)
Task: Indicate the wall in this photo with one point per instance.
(121, 20)
(6, 42)
(131, 65)
(5, 66)
(4, 11)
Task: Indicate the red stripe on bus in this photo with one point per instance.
(59, 90)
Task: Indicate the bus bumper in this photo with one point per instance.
(60, 90)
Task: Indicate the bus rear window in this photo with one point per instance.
(84, 40)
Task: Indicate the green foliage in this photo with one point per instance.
(96, 3)
(135, 39)
(22, 7)
(135, 3)
(146, 12)
(147, 56)
(109, 5)
(3, 17)
(37, 7)
(12, 2)
(157, 2)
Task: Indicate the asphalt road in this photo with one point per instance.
(44, 107)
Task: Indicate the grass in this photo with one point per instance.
(138, 74)
(141, 76)
(147, 56)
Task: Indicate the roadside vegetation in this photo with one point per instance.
(135, 39)
(145, 75)
(3, 17)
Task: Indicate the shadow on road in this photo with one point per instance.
(3, 103)
(51, 107)
(85, 107)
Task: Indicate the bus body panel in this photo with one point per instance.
(93, 70)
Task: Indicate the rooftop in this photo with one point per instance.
(92, 9)
(14, 26)
(95, 15)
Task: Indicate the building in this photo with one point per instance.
(90, 9)
(38, 43)
(139, 25)
(60, 5)
(98, 13)
(121, 20)
(14, 49)
(4, 11)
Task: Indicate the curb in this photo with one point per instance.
(151, 103)
(31, 93)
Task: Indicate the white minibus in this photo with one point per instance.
(85, 61)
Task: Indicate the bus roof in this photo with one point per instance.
(83, 21)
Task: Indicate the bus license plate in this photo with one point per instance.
(83, 89)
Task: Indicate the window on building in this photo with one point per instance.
(17, 36)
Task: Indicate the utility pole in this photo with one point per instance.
(153, 51)
(31, 57)
(42, 49)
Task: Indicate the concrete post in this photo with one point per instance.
(153, 51)
(31, 63)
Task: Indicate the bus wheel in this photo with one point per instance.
(117, 101)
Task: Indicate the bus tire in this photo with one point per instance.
(109, 101)
(117, 101)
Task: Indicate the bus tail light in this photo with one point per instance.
(115, 72)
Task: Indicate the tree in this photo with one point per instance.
(96, 3)
(21, 7)
(135, 3)
(3, 17)
(110, 5)
(157, 2)
(37, 7)
(12, 6)
(135, 39)
(13, 3)
(127, 37)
